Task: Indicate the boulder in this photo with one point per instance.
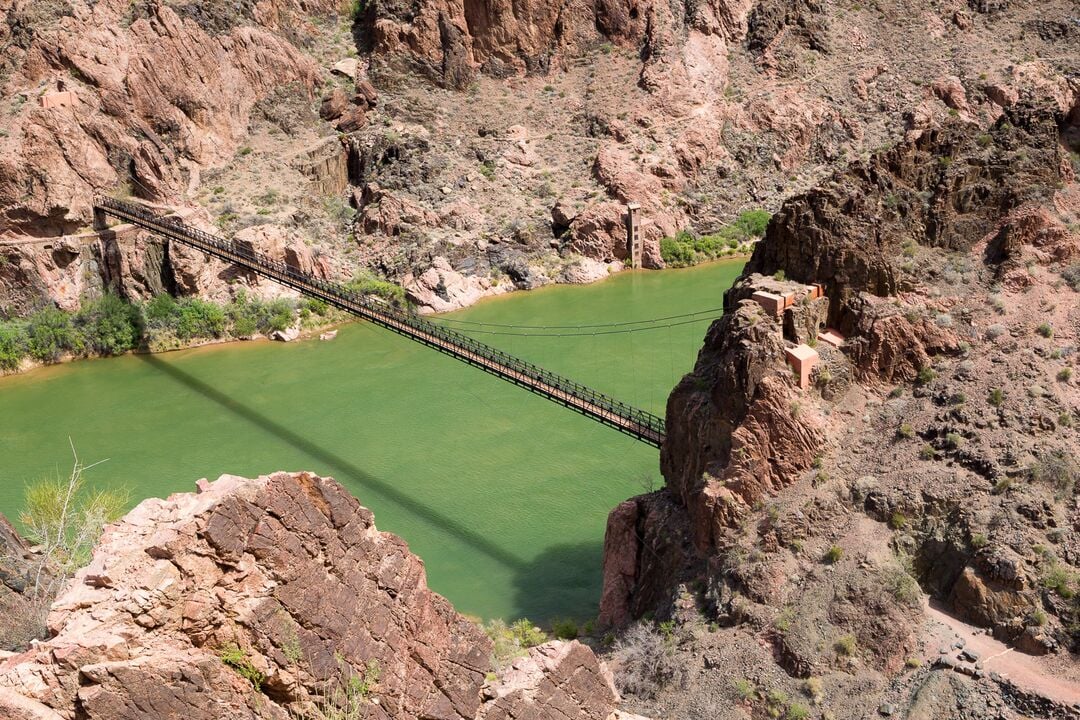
(440, 288)
(247, 600)
(334, 104)
(562, 675)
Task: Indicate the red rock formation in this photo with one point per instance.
(291, 570)
(252, 599)
(150, 94)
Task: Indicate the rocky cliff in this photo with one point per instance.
(464, 148)
(932, 456)
(275, 598)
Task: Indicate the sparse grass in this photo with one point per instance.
(905, 431)
(913, 663)
(846, 645)
(1058, 469)
(1045, 330)
(898, 521)
(745, 689)
(1064, 375)
(512, 641)
(953, 441)
(978, 541)
(238, 660)
(1059, 579)
(926, 375)
(833, 554)
(997, 397)
(813, 688)
(927, 452)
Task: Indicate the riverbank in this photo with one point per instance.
(17, 357)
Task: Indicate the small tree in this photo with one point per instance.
(63, 518)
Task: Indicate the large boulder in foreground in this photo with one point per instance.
(243, 600)
(275, 598)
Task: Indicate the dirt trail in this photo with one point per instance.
(1033, 674)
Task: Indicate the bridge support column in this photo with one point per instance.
(633, 235)
(100, 221)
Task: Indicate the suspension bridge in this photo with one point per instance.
(639, 424)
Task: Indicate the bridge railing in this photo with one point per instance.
(384, 314)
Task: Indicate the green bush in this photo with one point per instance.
(753, 222)
(564, 628)
(50, 333)
(685, 248)
(833, 554)
(109, 325)
(366, 283)
(199, 319)
(12, 345)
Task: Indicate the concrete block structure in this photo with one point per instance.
(57, 100)
(832, 337)
(802, 359)
(771, 302)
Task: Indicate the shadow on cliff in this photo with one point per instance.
(342, 468)
(563, 576)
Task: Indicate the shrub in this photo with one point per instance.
(13, 343)
(510, 642)
(927, 452)
(1045, 330)
(905, 431)
(238, 660)
(845, 645)
(645, 660)
(953, 440)
(913, 663)
(564, 628)
(109, 325)
(813, 688)
(833, 554)
(677, 251)
(797, 711)
(978, 541)
(1058, 469)
(744, 689)
(1058, 579)
(366, 283)
(897, 521)
(50, 333)
(997, 397)
(1071, 275)
(753, 222)
(63, 518)
(926, 375)
(1064, 374)
(995, 331)
(199, 319)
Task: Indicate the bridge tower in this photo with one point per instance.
(100, 221)
(633, 235)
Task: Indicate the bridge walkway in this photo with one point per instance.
(639, 424)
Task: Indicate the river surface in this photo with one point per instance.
(503, 493)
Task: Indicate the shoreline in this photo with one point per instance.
(29, 366)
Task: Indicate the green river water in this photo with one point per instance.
(503, 493)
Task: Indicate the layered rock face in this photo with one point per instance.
(947, 188)
(815, 521)
(257, 598)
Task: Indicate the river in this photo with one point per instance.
(503, 493)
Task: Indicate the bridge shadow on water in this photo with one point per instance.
(563, 576)
(340, 467)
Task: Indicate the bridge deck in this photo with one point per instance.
(639, 424)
